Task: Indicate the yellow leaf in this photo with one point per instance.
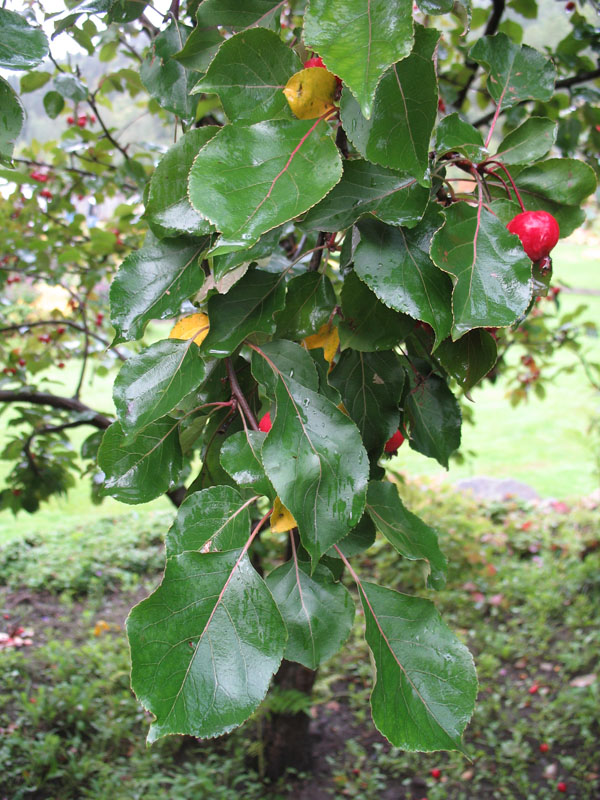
(326, 337)
(310, 92)
(193, 327)
(100, 627)
(281, 519)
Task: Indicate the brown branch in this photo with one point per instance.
(107, 133)
(239, 395)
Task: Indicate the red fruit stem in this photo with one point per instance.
(494, 121)
(510, 178)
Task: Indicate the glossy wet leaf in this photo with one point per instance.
(395, 264)
(309, 303)
(270, 176)
(407, 533)
(318, 612)
(247, 308)
(166, 79)
(168, 209)
(367, 323)
(434, 417)
(152, 383)
(12, 117)
(241, 458)
(529, 142)
(213, 16)
(54, 103)
(310, 92)
(453, 134)
(315, 459)
(470, 358)
(404, 111)
(21, 45)
(370, 385)
(426, 683)
(249, 73)
(69, 85)
(359, 539)
(516, 72)
(204, 645)
(153, 282)
(492, 273)
(217, 515)
(365, 188)
(435, 6)
(359, 39)
(286, 358)
(143, 467)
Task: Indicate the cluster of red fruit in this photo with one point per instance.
(40, 177)
(391, 446)
(533, 370)
(13, 279)
(82, 120)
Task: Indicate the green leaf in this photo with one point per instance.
(153, 282)
(12, 117)
(222, 264)
(153, 382)
(470, 358)
(270, 176)
(455, 135)
(141, 468)
(359, 539)
(70, 86)
(217, 515)
(368, 324)
(34, 80)
(435, 6)
(126, 10)
(492, 286)
(434, 417)
(365, 188)
(318, 612)
(21, 45)
(529, 142)
(314, 457)
(309, 303)
(215, 15)
(168, 209)
(204, 645)
(54, 103)
(396, 265)
(240, 457)
(426, 683)
(286, 358)
(246, 309)
(359, 39)
(516, 72)
(408, 534)
(559, 186)
(370, 385)
(397, 133)
(249, 74)
(166, 79)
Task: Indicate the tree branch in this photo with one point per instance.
(490, 29)
(239, 395)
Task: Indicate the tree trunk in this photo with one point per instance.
(286, 741)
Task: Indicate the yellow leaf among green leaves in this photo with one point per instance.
(193, 327)
(310, 92)
(281, 519)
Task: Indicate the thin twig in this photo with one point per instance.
(239, 395)
(66, 322)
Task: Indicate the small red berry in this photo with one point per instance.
(44, 338)
(265, 423)
(92, 118)
(538, 232)
(9, 370)
(435, 773)
(60, 330)
(21, 362)
(82, 121)
(570, 6)
(533, 689)
(393, 443)
(441, 105)
(40, 177)
(544, 747)
(561, 786)
(60, 365)
(46, 193)
(70, 120)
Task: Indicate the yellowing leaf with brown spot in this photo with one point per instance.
(326, 337)
(281, 519)
(193, 327)
(310, 92)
